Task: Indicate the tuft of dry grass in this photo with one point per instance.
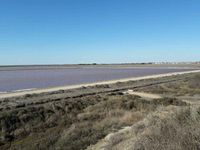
(130, 117)
(180, 132)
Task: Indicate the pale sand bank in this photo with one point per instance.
(52, 89)
(143, 94)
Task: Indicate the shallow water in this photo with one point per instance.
(13, 80)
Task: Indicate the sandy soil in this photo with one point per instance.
(144, 95)
(52, 89)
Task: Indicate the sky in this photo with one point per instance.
(98, 31)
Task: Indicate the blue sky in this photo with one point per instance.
(101, 31)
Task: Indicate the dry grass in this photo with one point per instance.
(168, 128)
(180, 132)
(70, 122)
